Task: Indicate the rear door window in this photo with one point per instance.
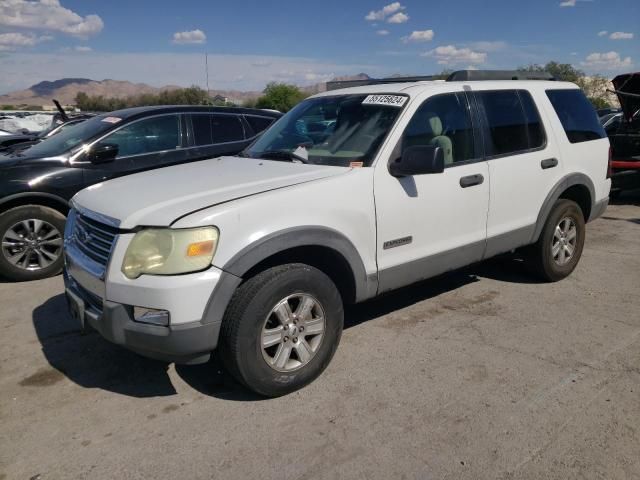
(535, 130)
(202, 129)
(506, 122)
(578, 117)
(226, 128)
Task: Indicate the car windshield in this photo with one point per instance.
(345, 130)
(71, 137)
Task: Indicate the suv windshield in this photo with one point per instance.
(338, 131)
(71, 137)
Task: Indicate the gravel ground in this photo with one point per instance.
(483, 373)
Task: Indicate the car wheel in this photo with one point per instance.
(281, 329)
(559, 248)
(32, 238)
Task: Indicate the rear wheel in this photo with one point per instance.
(32, 238)
(558, 250)
(281, 329)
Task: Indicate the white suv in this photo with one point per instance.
(351, 194)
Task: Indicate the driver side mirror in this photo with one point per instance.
(102, 153)
(418, 160)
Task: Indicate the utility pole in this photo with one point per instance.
(206, 67)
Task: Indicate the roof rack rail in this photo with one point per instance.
(473, 75)
(337, 84)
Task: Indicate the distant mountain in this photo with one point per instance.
(66, 89)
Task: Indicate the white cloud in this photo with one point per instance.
(48, 15)
(606, 61)
(399, 17)
(450, 55)
(82, 48)
(621, 36)
(11, 41)
(419, 36)
(192, 36)
(377, 15)
(382, 32)
(228, 72)
(602, 33)
(568, 3)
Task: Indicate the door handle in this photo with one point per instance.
(471, 180)
(549, 163)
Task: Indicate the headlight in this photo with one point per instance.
(165, 251)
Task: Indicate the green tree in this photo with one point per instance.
(180, 96)
(280, 96)
(564, 72)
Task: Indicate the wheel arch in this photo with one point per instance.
(321, 247)
(35, 198)
(577, 187)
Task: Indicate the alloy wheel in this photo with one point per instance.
(32, 244)
(292, 332)
(563, 243)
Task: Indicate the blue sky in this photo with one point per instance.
(250, 43)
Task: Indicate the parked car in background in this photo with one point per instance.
(25, 140)
(624, 135)
(607, 111)
(351, 194)
(37, 183)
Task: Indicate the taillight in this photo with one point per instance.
(609, 172)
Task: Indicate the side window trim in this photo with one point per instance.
(486, 133)
(471, 111)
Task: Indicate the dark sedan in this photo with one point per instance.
(37, 183)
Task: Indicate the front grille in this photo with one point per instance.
(93, 238)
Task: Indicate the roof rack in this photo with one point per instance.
(459, 76)
(473, 75)
(337, 84)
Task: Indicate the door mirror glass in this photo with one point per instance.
(102, 153)
(418, 160)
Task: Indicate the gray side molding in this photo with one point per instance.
(566, 182)
(305, 236)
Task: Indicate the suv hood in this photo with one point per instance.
(159, 197)
(629, 84)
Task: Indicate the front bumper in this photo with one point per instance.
(190, 342)
(183, 343)
(100, 297)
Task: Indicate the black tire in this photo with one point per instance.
(27, 212)
(540, 257)
(240, 339)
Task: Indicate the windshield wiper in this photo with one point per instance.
(283, 155)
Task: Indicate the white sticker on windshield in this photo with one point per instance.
(389, 100)
(111, 119)
(301, 152)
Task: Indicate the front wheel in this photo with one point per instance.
(32, 237)
(281, 329)
(558, 250)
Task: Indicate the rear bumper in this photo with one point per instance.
(598, 209)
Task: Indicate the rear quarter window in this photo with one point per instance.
(578, 117)
(259, 124)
